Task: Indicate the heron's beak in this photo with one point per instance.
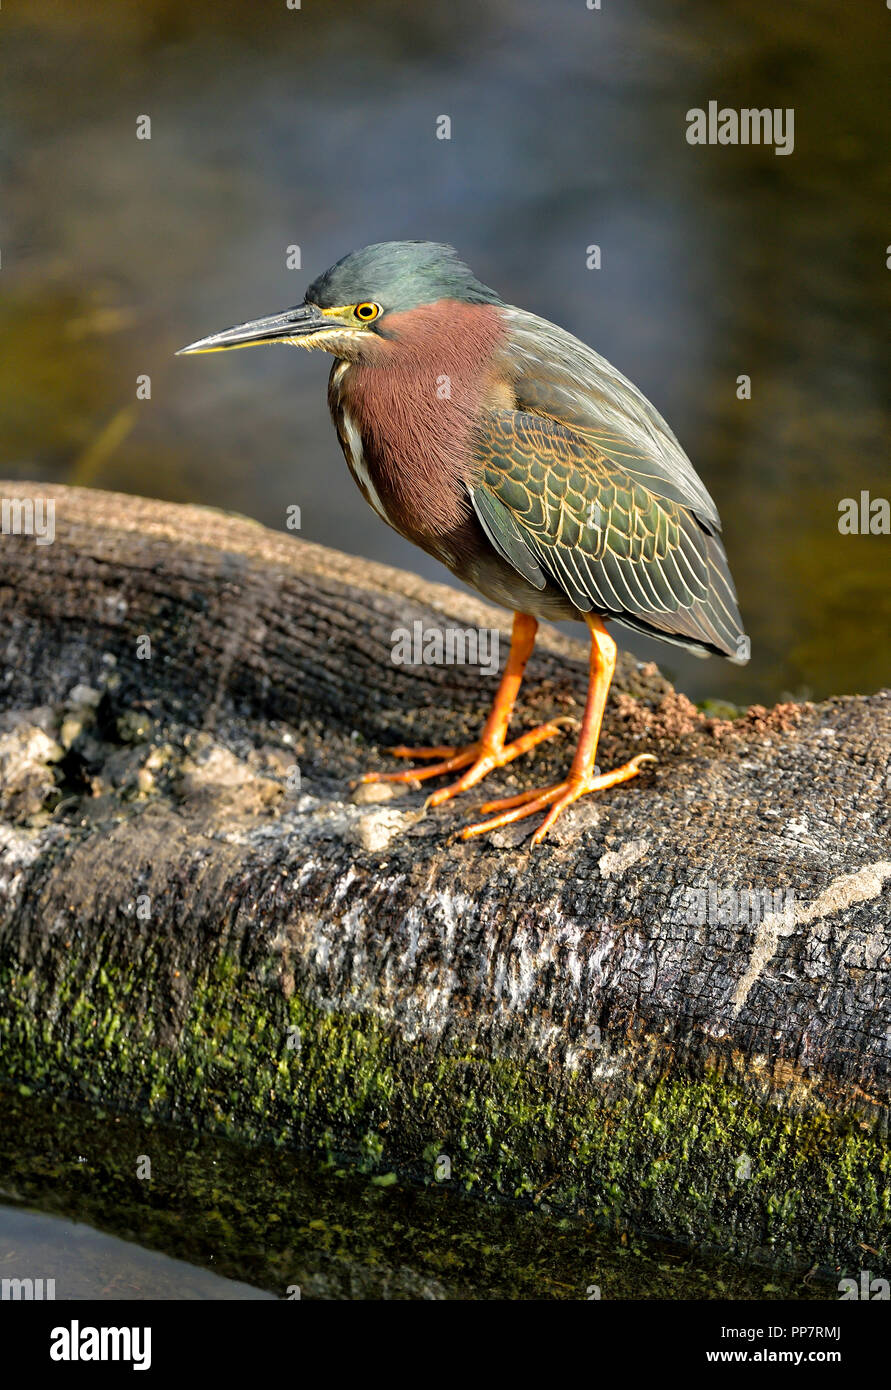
(300, 325)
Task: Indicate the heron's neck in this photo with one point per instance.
(413, 403)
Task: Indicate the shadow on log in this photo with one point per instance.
(673, 1013)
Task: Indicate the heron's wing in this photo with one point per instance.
(557, 508)
(557, 376)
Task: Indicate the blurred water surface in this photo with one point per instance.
(316, 127)
(86, 1263)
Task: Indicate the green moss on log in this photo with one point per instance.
(694, 1159)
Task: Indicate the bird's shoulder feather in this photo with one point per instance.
(557, 376)
(559, 508)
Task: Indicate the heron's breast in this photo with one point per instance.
(404, 456)
(406, 417)
(350, 436)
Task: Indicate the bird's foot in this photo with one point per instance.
(476, 757)
(556, 798)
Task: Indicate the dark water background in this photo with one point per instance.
(316, 127)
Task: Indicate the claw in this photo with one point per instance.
(478, 760)
(558, 797)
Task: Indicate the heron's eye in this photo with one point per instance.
(367, 312)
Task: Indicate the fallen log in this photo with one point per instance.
(674, 1013)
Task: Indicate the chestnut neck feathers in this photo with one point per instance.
(413, 399)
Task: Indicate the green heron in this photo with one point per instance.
(529, 466)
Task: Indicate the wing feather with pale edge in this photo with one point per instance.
(556, 375)
(556, 507)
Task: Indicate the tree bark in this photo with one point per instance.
(674, 1012)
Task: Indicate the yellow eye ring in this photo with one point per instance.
(366, 313)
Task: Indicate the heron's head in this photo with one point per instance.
(362, 299)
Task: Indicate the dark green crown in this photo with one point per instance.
(400, 275)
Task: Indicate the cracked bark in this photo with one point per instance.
(201, 919)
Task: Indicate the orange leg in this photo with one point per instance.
(582, 777)
(490, 751)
